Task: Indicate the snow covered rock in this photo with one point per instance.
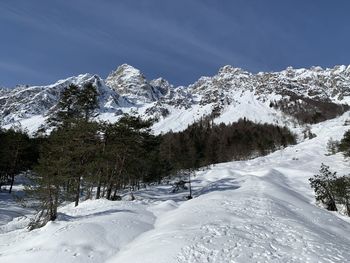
(289, 97)
(130, 82)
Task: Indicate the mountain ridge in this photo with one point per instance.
(232, 91)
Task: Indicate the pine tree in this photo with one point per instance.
(83, 147)
(66, 109)
(344, 145)
(67, 161)
(128, 153)
(87, 101)
(342, 192)
(49, 179)
(323, 185)
(75, 103)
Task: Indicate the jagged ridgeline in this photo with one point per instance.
(292, 96)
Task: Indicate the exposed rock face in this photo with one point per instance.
(307, 95)
(296, 92)
(131, 83)
(315, 83)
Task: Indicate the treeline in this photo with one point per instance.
(205, 143)
(307, 110)
(85, 159)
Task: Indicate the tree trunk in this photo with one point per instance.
(189, 184)
(55, 205)
(98, 191)
(109, 191)
(14, 167)
(331, 206)
(89, 192)
(115, 193)
(103, 190)
(77, 193)
(12, 182)
(347, 207)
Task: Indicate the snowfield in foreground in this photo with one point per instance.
(261, 210)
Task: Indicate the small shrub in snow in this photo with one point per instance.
(308, 134)
(332, 146)
(346, 123)
(116, 198)
(332, 191)
(180, 185)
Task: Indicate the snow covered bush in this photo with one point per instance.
(332, 191)
(332, 146)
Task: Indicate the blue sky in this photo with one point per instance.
(43, 41)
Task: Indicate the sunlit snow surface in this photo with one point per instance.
(261, 210)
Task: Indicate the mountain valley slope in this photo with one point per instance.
(260, 210)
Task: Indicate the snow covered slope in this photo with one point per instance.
(274, 97)
(31, 105)
(260, 210)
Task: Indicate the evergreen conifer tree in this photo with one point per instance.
(323, 185)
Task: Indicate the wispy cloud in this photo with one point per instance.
(121, 28)
(179, 39)
(22, 71)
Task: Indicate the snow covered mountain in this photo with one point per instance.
(131, 83)
(258, 210)
(275, 97)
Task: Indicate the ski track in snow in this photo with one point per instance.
(260, 210)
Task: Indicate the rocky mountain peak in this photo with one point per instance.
(228, 69)
(162, 85)
(130, 82)
(126, 79)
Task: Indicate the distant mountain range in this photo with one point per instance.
(292, 96)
